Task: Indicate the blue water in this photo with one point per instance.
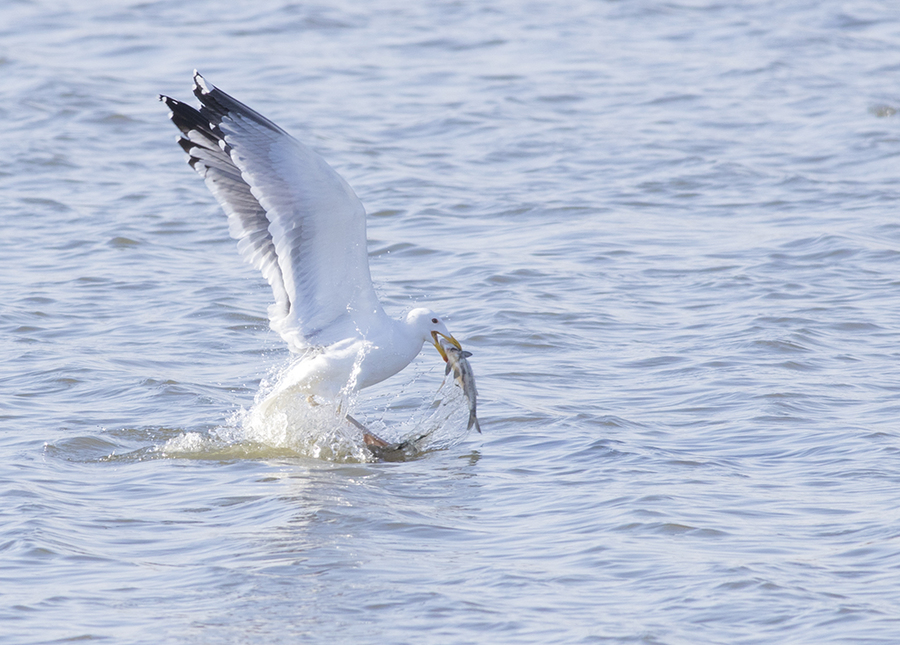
(668, 232)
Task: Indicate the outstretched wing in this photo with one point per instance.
(294, 217)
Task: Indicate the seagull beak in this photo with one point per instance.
(449, 339)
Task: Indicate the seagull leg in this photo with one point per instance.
(368, 437)
(378, 446)
(358, 425)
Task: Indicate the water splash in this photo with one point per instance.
(289, 424)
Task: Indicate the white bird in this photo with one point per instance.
(301, 224)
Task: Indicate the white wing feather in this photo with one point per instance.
(294, 217)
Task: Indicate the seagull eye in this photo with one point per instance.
(434, 320)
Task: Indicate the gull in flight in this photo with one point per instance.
(300, 224)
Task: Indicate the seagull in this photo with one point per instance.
(300, 224)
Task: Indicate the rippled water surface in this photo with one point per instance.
(668, 232)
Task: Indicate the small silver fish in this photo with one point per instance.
(465, 378)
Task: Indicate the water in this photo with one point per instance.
(667, 231)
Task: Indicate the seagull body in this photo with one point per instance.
(303, 227)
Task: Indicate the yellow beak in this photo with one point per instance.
(449, 339)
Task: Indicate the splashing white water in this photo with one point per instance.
(290, 424)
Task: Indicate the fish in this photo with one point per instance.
(465, 378)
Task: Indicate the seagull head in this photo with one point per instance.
(432, 328)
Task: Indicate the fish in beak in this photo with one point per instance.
(440, 348)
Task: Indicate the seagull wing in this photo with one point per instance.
(294, 217)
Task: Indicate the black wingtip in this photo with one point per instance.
(202, 87)
(217, 105)
(171, 103)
